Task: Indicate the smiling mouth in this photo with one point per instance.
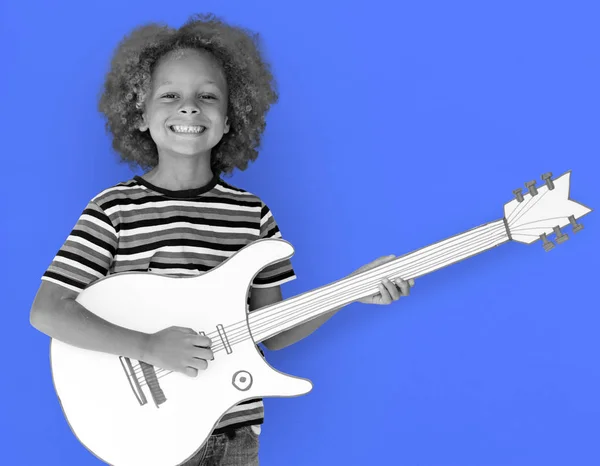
(187, 129)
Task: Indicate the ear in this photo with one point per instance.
(144, 124)
(226, 128)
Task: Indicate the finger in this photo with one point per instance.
(199, 364)
(186, 330)
(383, 259)
(203, 341)
(379, 261)
(190, 371)
(392, 289)
(385, 294)
(204, 353)
(404, 287)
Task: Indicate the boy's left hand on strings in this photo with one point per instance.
(389, 291)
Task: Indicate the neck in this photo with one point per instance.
(284, 315)
(177, 173)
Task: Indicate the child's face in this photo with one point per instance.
(185, 111)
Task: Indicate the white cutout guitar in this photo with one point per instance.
(128, 413)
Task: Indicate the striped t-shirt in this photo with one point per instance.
(136, 226)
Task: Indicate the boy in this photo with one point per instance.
(188, 105)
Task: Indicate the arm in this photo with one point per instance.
(261, 297)
(56, 313)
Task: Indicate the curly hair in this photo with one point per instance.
(251, 85)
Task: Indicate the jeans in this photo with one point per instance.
(240, 449)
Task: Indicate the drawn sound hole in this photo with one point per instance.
(242, 380)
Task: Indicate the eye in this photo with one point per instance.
(207, 96)
(169, 95)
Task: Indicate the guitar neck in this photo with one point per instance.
(284, 315)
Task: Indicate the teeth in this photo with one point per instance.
(188, 129)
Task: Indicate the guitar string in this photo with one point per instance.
(338, 299)
(237, 340)
(414, 260)
(245, 335)
(416, 263)
(520, 207)
(234, 338)
(411, 269)
(522, 225)
(531, 202)
(243, 324)
(401, 268)
(416, 270)
(327, 298)
(530, 235)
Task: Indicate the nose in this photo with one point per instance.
(189, 108)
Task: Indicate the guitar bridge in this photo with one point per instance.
(133, 380)
(145, 374)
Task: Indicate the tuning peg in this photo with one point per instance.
(530, 185)
(518, 194)
(576, 226)
(547, 177)
(560, 236)
(548, 245)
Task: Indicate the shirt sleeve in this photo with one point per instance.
(87, 253)
(281, 272)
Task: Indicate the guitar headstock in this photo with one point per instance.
(544, 210)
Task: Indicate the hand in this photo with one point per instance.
(389, 290)
(179, 349)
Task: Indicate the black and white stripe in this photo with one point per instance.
(136, 226)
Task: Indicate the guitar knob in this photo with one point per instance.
(547, 177)
(518, 194)
(560, 236)
(530, 185)
(242, 380)
(576, 226)
(548, 245)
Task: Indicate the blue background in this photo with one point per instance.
(399, 125)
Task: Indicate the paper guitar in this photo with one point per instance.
(128, 413)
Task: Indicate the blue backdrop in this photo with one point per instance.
(400, 124)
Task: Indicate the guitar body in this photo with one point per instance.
(101, 394)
